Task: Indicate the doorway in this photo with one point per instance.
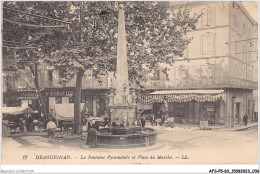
(237, 113)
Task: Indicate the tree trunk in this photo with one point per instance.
(77, 100)
(38, 90)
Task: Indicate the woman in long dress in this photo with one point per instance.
(6, 130)
(92, 138)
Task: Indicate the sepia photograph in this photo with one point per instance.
(129, 82)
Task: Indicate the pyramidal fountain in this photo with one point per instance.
(122, 105)
(123, 131)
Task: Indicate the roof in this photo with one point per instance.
(187, 92)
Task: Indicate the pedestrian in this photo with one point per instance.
(138, 121)
(162, 121)
(29, 124)
(142, 121)
(84, 113)
(92, 138)
(89, 125)
(21, 124)
(6, 128)
(51, 127)
(152, 119)
(95, 124)
(245, 119)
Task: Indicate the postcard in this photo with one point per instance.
(143, 82)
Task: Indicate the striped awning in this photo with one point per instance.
(183, 96)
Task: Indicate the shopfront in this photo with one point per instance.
(189, 106)
(54, 96)
(96, 99)
(28, 98)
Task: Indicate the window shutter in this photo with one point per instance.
(203, 71)
(210, 71)
(205, 17)
(211, 16)
(208, 45)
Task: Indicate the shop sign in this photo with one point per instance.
(26, 95)
(59, 93)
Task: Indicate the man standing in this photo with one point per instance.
(152, 119)
(245, 118)
(142, 121)
(51, 127)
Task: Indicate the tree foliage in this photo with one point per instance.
(155, 35)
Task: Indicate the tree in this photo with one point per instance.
(22, 27)
(155, 35)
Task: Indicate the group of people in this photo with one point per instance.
(23, 123)
(157, 121)
(28, 123)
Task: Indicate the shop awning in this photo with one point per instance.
(17, 110)
(65, 111)
(183, 96)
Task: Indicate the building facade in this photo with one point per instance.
(214, 79)
(222, 56)
(19, 89)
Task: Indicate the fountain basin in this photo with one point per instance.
(126, 137)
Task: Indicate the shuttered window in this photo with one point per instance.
(208, 18)
(208, 45)
(207, 74)
(181, 76)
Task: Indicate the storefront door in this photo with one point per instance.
(211, 114)
(237, 113)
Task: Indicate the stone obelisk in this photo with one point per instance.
(122, 84)
(122, 105)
